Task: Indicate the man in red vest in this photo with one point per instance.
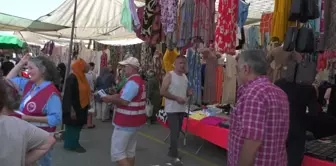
(129, 115)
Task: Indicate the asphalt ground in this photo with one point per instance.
(151, 149)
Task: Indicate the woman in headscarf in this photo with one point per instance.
(17, 136)
(41, 101)
(105, 81)
(76, 103)
(153, 93)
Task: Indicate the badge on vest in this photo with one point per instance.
(31, 106)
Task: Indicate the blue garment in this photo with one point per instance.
(53, 109)
(242, 13)
(195, 75)
(130, 90)
(46, 159)
(253, 37)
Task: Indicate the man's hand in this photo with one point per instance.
(190, 92)
(107, 98)
(181, 100)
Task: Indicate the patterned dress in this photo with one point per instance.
(204, 20)
(225, 41)
(195, 75)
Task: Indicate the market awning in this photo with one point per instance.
(13, 23)
(98, 20)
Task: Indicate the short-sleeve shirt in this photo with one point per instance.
(261, 113)
(17, 138)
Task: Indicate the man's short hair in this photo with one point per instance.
(180, 57)
(92, 64)
(256, 59)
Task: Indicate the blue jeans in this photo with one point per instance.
(46, 159)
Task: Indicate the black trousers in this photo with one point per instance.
(296, 142)
(175, 121)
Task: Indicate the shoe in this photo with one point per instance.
(78, 150)
(175, 162)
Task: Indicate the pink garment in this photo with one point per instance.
(212, 120)
(168, 15)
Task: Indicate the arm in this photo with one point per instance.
(252, 129)
(130, 90)
(17, 68)
(39, 142)
(164, 88)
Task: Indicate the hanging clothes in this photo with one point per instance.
(230, 81)
(136, 21)
(126, 17)
(48, 47)
(219, 83)
(186, 24)
(204, 20)
(146, 61)
(209, 95)
(253, 37)
(330, 26)
(169, 59)
(280, 21)
(194, 75)
(226, 27)
(242, 13)
(168, 15)
(157, 66)
(265, 28)
(149, 15)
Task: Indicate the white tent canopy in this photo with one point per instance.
(95, 19)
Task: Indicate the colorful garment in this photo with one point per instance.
(103, 60)
(157, 66)
(194, 75)
(146, 61)
(243, 8)
(261, 113)
(280, 22)
(204, 20)
(186, 28)
(148, 17)
(168, 15)
(126, 17)
(219, 82)
(209, 95)
(225, 41)
(169, 59)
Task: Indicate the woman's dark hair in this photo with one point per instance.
(9, 95)
(48, 69)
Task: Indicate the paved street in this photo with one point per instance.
(151, 149)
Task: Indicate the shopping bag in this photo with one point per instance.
(290, 39)
(305, 42)
(313, 11)
(149, 108)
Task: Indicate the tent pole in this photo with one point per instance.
(70, 46)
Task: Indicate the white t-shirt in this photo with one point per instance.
(178, 87)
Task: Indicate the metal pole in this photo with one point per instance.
(70, 49)
(71, 45)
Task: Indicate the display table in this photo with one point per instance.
(219, 136)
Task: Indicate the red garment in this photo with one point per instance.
(321, 61)
(261, 113)
(266, 23)
(134, 114)
(34, 107)
(225, 41)
(103, 60)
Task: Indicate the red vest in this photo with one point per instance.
(133, 115)
(35, 106)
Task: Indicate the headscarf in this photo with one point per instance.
(78, 69)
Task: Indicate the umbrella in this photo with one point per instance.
(10, 42)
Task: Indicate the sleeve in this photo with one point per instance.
(130, 91)
(253, 116)
(54, 110)
(20, 82)
(35, 136)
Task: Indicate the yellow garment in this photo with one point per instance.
(78, 69)
(169, 59)
(199, 115)
(280, 21)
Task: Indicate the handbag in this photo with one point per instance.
(290, 39)
(305, 42)
(295, 11)
(306, 71)
(149, 108)
(313, 11)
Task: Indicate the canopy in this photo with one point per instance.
(10, 42)
(13, 23)
(95, 19)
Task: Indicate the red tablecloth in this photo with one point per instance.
(219, 136)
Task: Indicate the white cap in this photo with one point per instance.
(131, 61)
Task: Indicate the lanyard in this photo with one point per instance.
(29, 96)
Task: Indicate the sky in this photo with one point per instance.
(31, 9)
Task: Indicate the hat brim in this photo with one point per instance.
(126, 63)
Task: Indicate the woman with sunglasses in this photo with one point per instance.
(41, 101)
(18, 137)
